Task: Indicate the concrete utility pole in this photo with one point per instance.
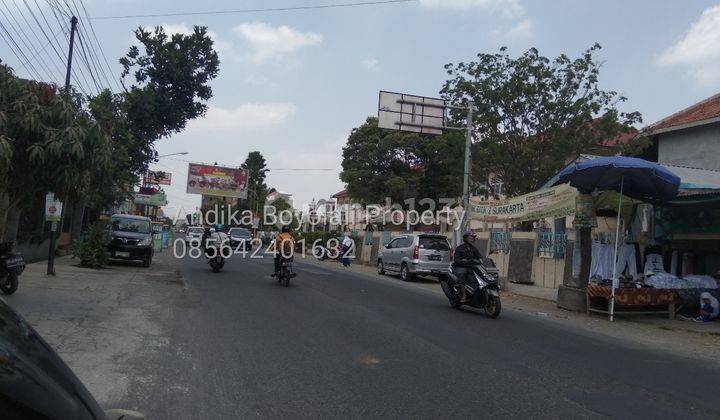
(54, 228)
(466, 172)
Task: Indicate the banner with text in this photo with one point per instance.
(553, 202)
(217, 180)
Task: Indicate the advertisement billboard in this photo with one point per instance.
(217, 180)
(158, 177)
(158, 199)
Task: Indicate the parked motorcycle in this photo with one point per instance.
(286, 271)
(11, 266)
(483, 292)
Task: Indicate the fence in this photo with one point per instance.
(551, 245)
(500, 241)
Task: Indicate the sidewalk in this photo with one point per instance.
(688, 339)
(101, 322)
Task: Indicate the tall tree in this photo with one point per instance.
(171, 80)
(257, 169)
(380, 163)
(534, 113)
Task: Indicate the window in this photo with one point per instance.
(402, 242)
(121, 224)
(499, 241)
(437, 243)
(239, 232)
(551, 245)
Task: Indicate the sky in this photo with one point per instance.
(293, 84)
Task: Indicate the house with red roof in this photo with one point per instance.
(689, 138)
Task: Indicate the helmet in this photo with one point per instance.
(469, 233)
(286, 228)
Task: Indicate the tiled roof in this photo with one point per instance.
(707, 109)
(341, 194)
(622, 138)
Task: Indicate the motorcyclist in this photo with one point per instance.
(284, 246)
(216, 235)
(466, 255)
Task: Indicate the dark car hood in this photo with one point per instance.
(33, 375)
(129, 235)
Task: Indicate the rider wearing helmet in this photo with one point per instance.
(284, 246)
(466, 255)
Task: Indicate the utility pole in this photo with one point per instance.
(466, 172)
(54, 225)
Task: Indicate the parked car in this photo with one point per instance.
(240, 237)
(194, 234)
(132, 238)
(417, 254)
(36, 383)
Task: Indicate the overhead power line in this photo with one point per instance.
(56, 8)
(260, 10)
(97, 41)
(56, 45)
(89, 45)
(57, 70)
(27, 45)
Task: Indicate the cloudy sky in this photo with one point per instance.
(293, 84)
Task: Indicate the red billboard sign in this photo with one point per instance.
(158, 177)
(217, 180)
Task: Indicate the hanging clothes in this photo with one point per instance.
(626, 258)
(674, 262)
(653, 264)
(688, 260)
(601, 263)
(642, 224)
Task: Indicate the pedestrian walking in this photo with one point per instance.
(347, 244)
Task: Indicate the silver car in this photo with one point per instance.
(418, 254)
(194, 234)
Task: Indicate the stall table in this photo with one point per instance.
(629, 297)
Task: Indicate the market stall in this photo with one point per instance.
(638, 179)
(637, 300)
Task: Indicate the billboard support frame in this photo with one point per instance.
(469, 108)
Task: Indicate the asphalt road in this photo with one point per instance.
(337, 344)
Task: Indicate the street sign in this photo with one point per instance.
(53, 208)
(417, 114)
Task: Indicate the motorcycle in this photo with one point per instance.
(11, 266)
(482, 289)
(286, 271)
(215, 252)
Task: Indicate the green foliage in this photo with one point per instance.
(280, 206)
(47, 139)
(92, 248)
(257, 169)
(380, 163)
(534, 113)
(171, 80)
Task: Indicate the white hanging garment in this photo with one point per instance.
(626, 258)
(653, 264)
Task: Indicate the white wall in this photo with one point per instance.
(695, 147)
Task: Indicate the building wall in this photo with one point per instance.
(697, 147)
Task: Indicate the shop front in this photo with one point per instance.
(663, 254)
